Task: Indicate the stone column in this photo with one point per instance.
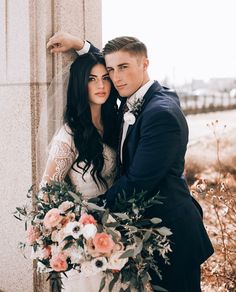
(26, 69)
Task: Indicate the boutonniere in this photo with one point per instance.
(129, 118)
(131, 115)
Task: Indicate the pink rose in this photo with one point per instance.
(103, 242)
(52, 218)
(87, 219)
(33, 233)
(46, 252)
(91, 249)
(58, 262)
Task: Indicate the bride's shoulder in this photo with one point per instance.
(64, 134)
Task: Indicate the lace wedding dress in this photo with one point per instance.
(61, 157)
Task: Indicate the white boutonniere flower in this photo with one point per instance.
(129, 118)
(134, 110)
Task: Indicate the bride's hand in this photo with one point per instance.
(62, 42)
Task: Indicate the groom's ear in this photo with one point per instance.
(145, 63)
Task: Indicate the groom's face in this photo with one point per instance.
(127, 71)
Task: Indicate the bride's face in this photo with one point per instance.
(99, 85)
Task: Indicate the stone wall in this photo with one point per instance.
(26, 69)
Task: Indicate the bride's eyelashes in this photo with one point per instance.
(95, 78)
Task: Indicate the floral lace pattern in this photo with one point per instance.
(59, 162)
(61, 157)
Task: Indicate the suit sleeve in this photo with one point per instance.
(87, 48)
(159, 144)
(93, 49)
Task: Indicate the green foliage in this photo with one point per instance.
(140, 238)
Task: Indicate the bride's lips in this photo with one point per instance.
(101, 94)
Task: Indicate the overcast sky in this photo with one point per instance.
(186, 38)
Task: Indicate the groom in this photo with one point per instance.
(152, 149)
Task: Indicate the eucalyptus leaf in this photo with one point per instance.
(105, 217)
(126, 275)
(65, 274)
(112, 224)
(17, 217)
(164, 231)
(113, 234)
(147, 235)
(156, 220)
(76, 197)
(132, 228)
(102, 284)
(70, 209)
(69, 237)
(145, 278)
(138, 249)
(155, 202)
(138, 240)
(68, 244)
(133, 281)
(122, 216)
(159, 288)
(113, 281)
(92, 206)
(132, 200)
(128, 253)
(21, 211)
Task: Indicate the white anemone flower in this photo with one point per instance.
(99, 264)
(74, 229)
(89, 231)
(115, 263)
(75, 253)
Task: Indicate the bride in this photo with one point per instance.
(84, 148)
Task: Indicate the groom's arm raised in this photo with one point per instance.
(62, 42)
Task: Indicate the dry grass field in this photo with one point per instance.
(211, 174)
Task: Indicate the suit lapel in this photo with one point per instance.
(147, 97)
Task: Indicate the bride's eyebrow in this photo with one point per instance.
(93, 75)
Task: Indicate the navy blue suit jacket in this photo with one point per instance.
(153, 161)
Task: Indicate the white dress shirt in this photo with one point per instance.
(136, 97)
(85, 49)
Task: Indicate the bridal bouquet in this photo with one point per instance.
(66, 232)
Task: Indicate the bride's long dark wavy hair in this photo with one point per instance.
(77, 116)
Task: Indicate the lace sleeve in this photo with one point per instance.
(61, 157)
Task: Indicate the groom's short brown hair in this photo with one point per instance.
(126, 44)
